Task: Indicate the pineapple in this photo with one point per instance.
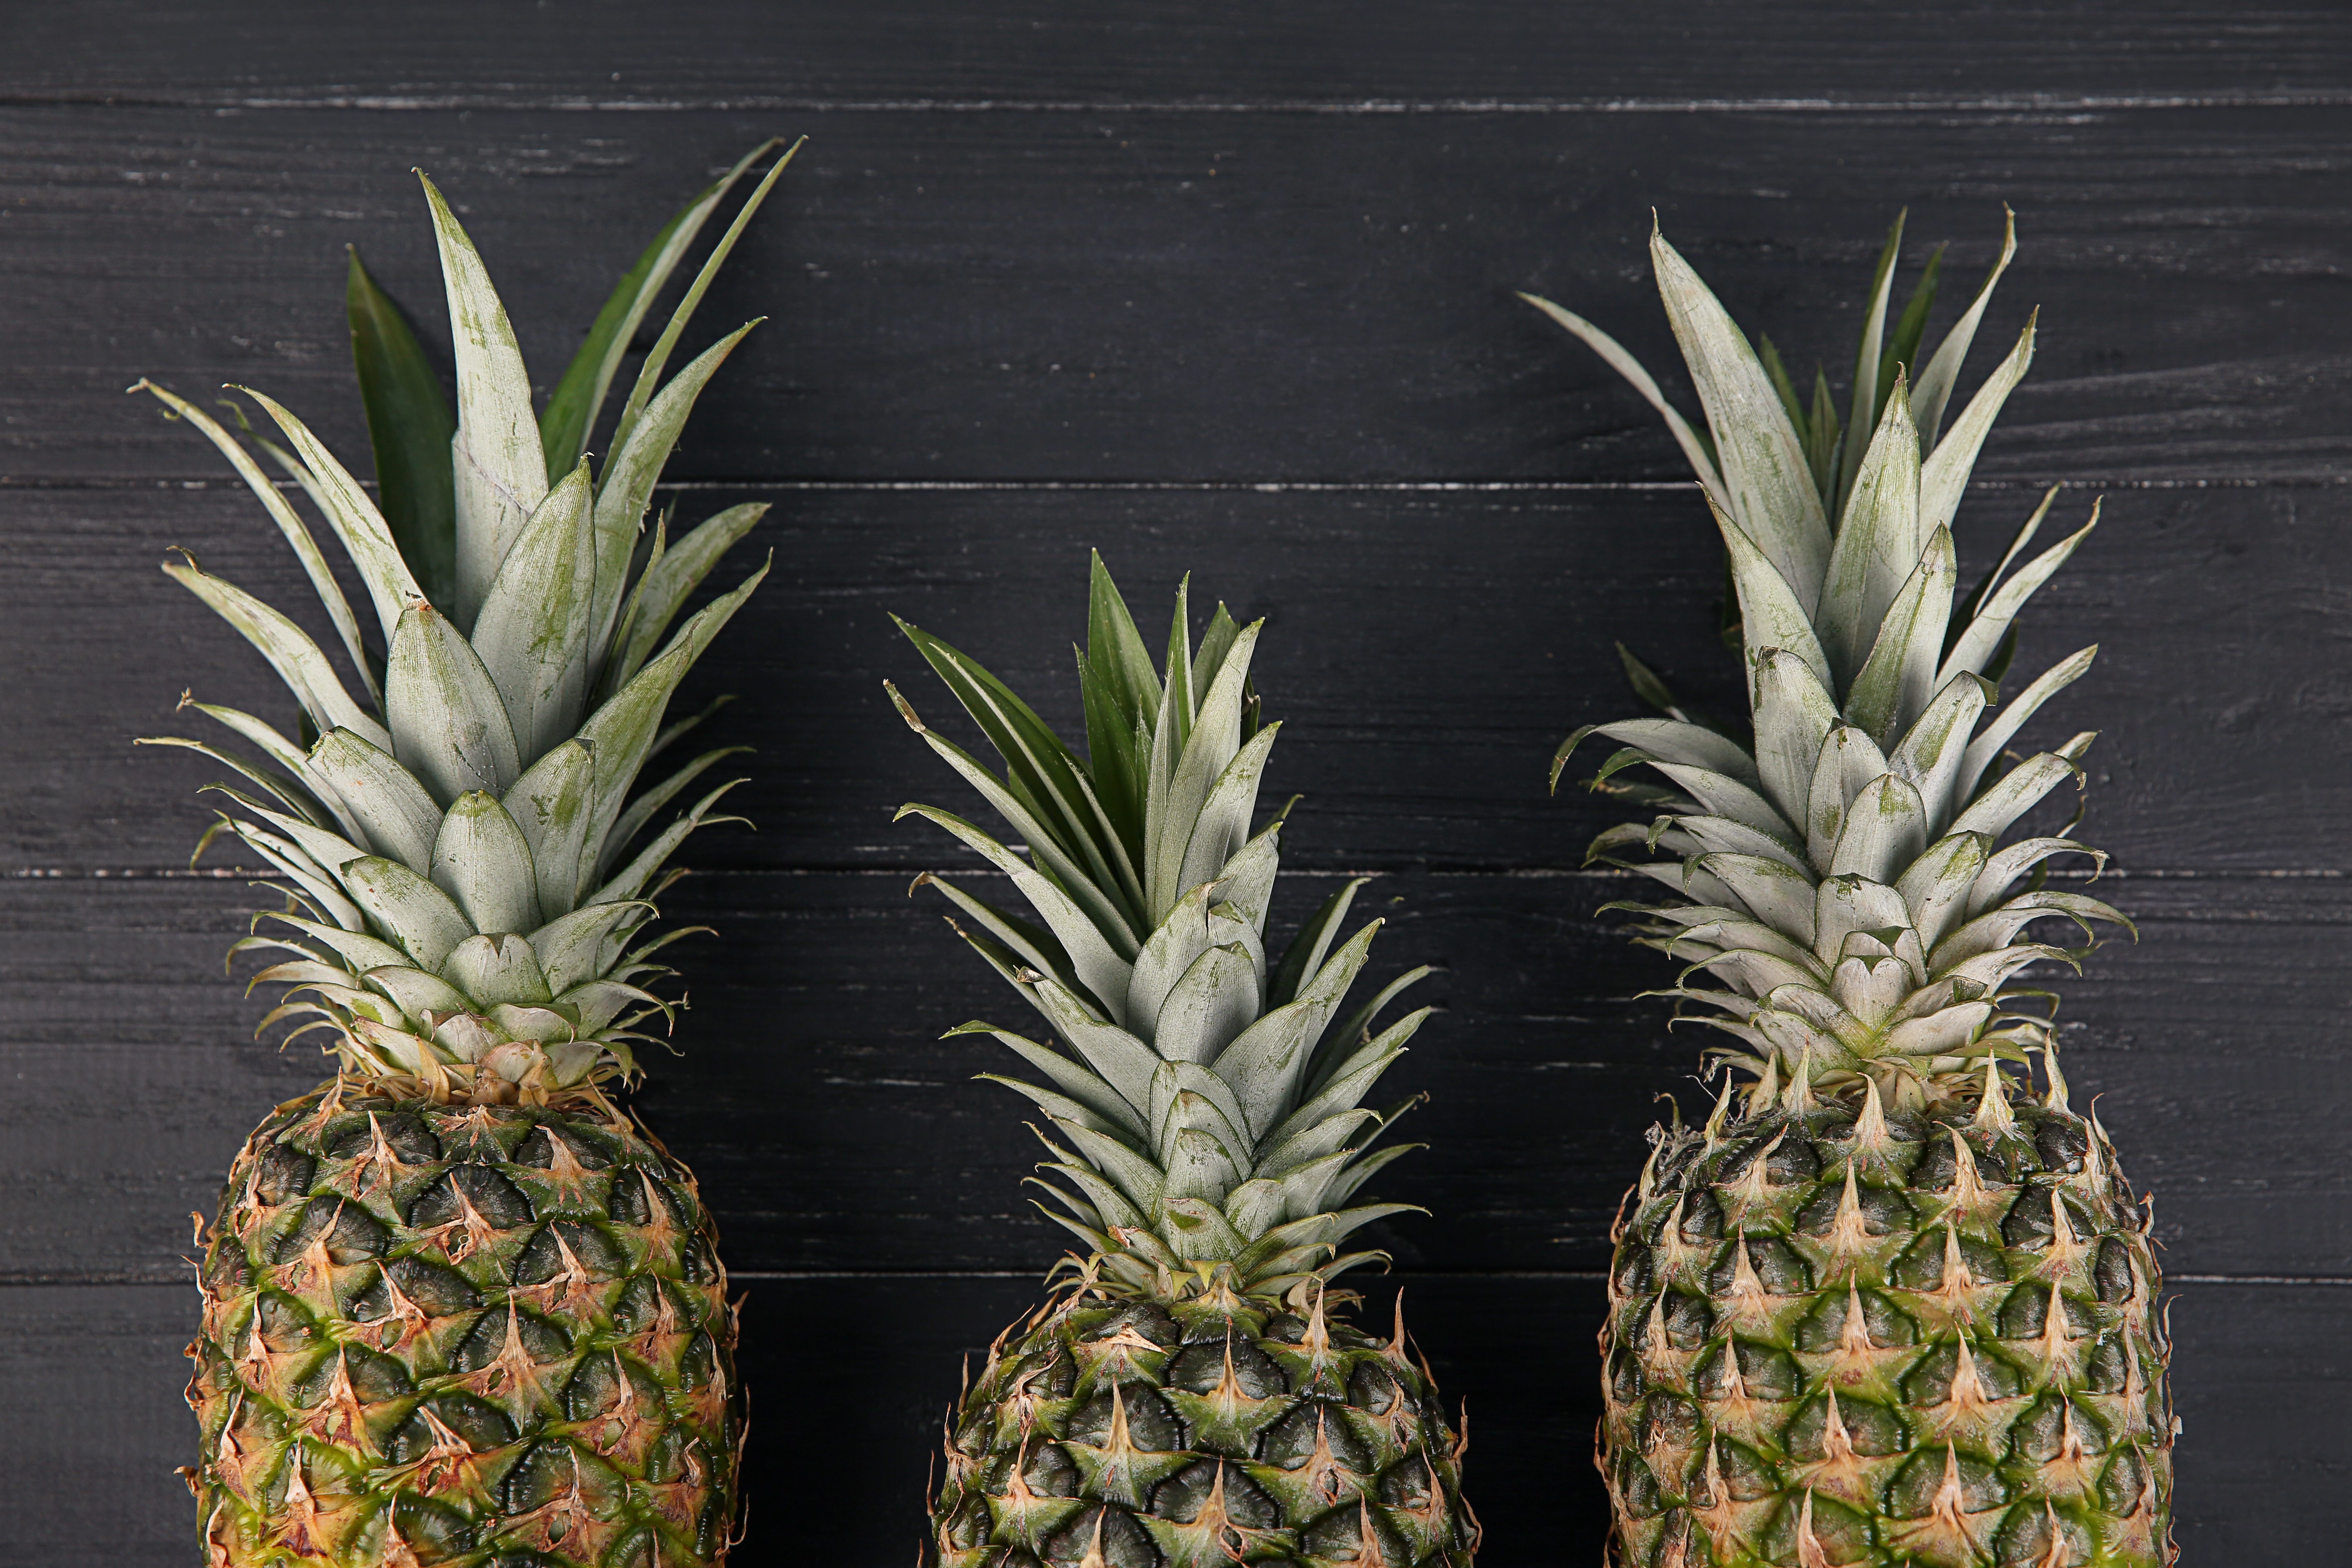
(1194, 1393)
(1890, 1304)
(457, 1306)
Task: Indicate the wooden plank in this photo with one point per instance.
(1137, 294)
(1428, 651)
(833, 1128)
(849, 1375)
(695, 51)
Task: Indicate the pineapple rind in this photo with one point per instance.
(1199, 1432)
(461, 1335)
(1845, 909)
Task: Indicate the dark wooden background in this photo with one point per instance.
(1232, 297)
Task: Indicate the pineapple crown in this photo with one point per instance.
(466, 913)
(1206, 1115)
(1839, 869)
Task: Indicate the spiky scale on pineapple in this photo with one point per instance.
(457, 1307)
(1194, 1392)
(1890, 1306)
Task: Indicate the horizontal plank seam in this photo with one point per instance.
(576, 103)
(1217, 487)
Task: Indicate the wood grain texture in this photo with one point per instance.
(1320, 53)
(877, 1355)
(1228, 291)
(1147, 295)
(1428, 651)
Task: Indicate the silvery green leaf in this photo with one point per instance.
(2015, 794)
(550, 805)
(1253, 1208)
(1345, 1086)
(1355, 1029)
(1934, 887)
(416, 992)
(1992, 620)
(2017, 544)
(288, 649)
(1850, 903)
(1794, 715)
(1216, 643)
(1304, 956)
(481, 859)
(1211, 1003)
(627, 485)
(287, 755)
(1930, 751)
(494, 968)
(641, 810)
(324, 887)
(1768, 487)
(1721, 796)
(1222, 826)
(1110, 1203)
(1033, 945)
(1849, 760)
(520, 1021)
(1899, 676)
(500, 472)
(1863, 413)
(448, 727)
(1085, 1088)
(294, 797)
(1675, 741)
(620, 734)
(355, 947)
(1059, 1106)
(410, 426)
(1313, 1142)
(1722, 834)
(532, 631)
(2002, 872)
(1885, 829)
(1096, 965)
(2011, 717)
(667, 582)
(1117, 1056)
(1305, 1186)
(1182, 936)
(365, 537)
(1757, 973)
(1771, 615)
(331, 850)
(1042, 775)
(572, 408)
(1944, 477)
(1351, 1180)
(1696, 448)
(419, 916)
(1869, 988)
(1729, 928)
(630, 879)
(1214, 741)
(656, 358)
(1268, 1061)
(399, 817)
(1998, 928)
(1201, 1165)
(571, 947)
(1878, 543)
(599, 1001)
(306, 549)
(1933, 386)
(1246, 881)
(1187, 1095)
(1783, 899)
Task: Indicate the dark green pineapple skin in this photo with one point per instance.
(1974, 1426)
(1108, 1433)
(462, 1335)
